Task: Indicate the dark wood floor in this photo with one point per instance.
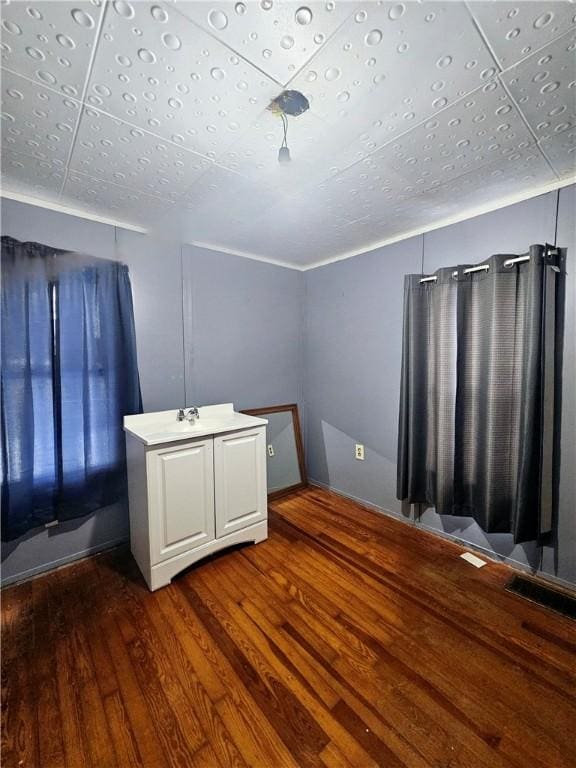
(346, 639)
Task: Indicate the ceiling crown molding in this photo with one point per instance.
(464, 216)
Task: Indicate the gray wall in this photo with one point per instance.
(566, 530)
(243, 330)
(209, 328)
(352, 370)
(353, 332)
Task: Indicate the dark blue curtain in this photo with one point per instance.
(69, 375)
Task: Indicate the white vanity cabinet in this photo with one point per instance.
(194, 487)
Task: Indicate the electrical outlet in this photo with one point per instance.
(359, 452)
(270, 450)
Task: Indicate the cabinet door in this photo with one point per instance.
(240, 480)
(181, 486)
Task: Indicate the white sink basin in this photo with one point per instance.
(180, 428)
(163, 426)
(183, 426)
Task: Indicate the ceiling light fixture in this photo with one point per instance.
(287, 103)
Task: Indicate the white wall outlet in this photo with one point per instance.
(359, 452)
(270, 450)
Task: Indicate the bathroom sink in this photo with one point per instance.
(177, 429)
(184, 426)
(164, 427)
(187, 427)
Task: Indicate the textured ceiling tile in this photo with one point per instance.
(480, 129)
(36, 120)
(222, 205)
(478, 188)
(517, 29)
(113, 201)
(156, 69)
(224, 202)
(364, 190)
(369, 68)
(409, 121)
(111, 150)
(278, 37)
(50, 42)
(32, 175)
(544, 86)
(405, 214)
(301, 225)
(560, 149)
(477, 130)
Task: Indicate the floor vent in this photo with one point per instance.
(556, 600)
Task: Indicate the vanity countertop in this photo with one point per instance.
(163, 427)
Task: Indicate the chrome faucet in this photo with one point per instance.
(192, 414)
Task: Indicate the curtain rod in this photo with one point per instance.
(480, 268)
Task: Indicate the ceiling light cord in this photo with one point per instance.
(287, 103)
(284, 152)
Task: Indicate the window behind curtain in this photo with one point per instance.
(69, 374)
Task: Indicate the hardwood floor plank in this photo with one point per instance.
(444, 567)
(317, 717)
(138, 712)
(541, 745)
(74, 736)
(176, 722)
(374, 746)
(532, 728)
(447, 608)
(347, 639)
(90, 681)
(365, 704)
(332, 757)
(375, 596)
(121, 732)
(208, 717)
(206, 758)
(292, 657)
(245, 720)
(50, 736)
(18, 702)
(286, 714)
(418, 738)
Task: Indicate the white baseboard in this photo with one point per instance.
(30, 573)
(369, 504)
(489, 553)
